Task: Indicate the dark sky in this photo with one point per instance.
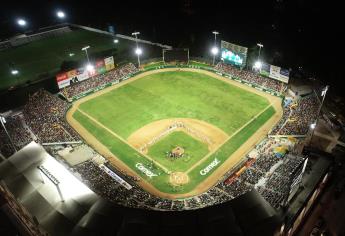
(294, 33)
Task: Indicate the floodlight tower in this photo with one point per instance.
(214, 49)
(260, 46)
(313, 125)
(3, 121)
(138, 51)
(87, 56)
(258, 64)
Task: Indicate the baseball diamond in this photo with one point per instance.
(191, 108)
(187, 118)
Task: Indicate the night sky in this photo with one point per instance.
(302, 33)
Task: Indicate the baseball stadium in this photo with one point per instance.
(157, 130)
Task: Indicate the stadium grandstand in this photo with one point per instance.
(54, 181)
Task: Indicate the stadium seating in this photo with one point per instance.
(251, 77)
(44, 120)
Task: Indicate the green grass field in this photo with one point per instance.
(174, 95)
(194, 150)
(44, 57)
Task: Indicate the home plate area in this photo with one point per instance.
(178, 178)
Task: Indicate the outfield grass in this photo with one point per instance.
(169, 95)
(194, 151)
(174, 95)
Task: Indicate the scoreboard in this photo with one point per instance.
(234, 54)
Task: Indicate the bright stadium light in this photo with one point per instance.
(87, 55)
(214, 50)
(21, 22)
(138, 51)
(258, 65)
(71, 54)
(260, 46)
(116, 40)
(14, 72)
(60, 14)
(312, 126)
(90, 67)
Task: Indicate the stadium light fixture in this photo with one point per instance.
(116, 40)
(138, 51)
(260, 46)
(313, 125)
(14, 72)
(71, 54)
(21, 22)
(258, 65)
(60, 14)
(90, 67)
(214, 50)
(87, 56)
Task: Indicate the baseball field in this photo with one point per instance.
(179, 130)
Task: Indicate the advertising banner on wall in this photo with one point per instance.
(275, 72)
(109, 63)
(100, 67)
(73, 76)
(76, 75)
(62, 80)
(82, 74)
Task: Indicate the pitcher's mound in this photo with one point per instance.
(178, 178)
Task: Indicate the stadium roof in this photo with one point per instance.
(86, 213)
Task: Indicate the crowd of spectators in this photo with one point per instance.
(45, 115)
(298, 117)
(20, 135)
(251, 77)
(99, 80)
(269, 175)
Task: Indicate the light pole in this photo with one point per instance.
(214, 49)
(87, 56)
(313, 125)
(260, 46)
(138, 51)
(3, 121)
(258, 64)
